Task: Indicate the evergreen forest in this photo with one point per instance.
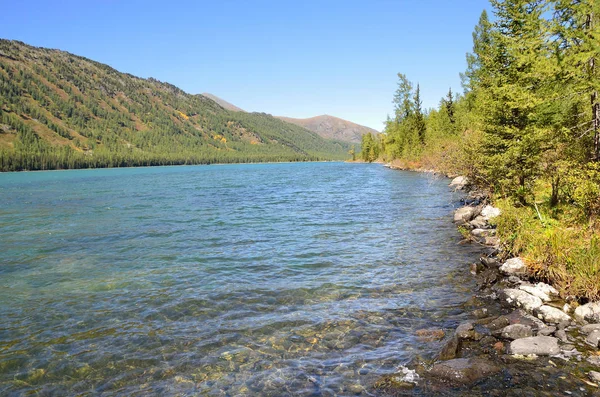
(60, 111)
(526, 127)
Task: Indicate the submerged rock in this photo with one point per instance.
(430, 335)
(551, 314)
(538, 345)
(589, 312)
(514, 266)
(463, 370)
(518, 298)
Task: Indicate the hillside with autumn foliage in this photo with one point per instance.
(59, 110)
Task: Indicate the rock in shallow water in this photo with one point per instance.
(463, 370)
(538, 345)
(450, 349)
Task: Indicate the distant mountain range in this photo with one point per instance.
(59, 110)
(329, 127)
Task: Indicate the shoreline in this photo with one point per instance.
(174, 165)
(518, 327)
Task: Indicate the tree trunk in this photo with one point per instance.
(596, 123)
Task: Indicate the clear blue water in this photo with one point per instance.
(264, 279)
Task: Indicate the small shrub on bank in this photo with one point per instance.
(564, 254)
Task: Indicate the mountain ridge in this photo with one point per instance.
(331, 127)
(60, 110)
(327, 126)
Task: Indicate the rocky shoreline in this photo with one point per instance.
(521, 338)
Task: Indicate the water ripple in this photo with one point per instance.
(271, 279)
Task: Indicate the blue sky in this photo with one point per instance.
(289, 58)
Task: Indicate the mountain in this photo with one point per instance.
(330, 127)
(59, 110)
(224, 104)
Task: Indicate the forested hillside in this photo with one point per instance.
(58, 110)
(527, 127)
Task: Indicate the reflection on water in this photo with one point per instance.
(278, 279)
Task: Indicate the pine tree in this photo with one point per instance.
(509, 95)
(418, 119)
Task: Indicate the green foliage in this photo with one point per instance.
(59, 110)
(370, 148)
(527, 128)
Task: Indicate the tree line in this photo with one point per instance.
(58, 110)
(529, 113)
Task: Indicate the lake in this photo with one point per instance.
(227, 280)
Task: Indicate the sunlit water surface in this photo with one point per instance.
(267, 279)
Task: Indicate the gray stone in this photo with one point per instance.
(492, 241)
(520, 316)
(521, 299)
(464, 214)
(489, 212)
(466, 330)
(538, 345)
(593, 339)
(589, 312)
(479, 222)
(564, 324)
(483, 232)
(594, 376)
(546, 331)
(481, 313)
(488, 262)
(514, 266)
(562, 335)
(594, 360)
(551, 314)
(463, 370)
(450, 349)
(459, 183)
(543, 291)
(589, 328)
(516, 331)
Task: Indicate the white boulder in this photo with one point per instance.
(514, 266)
(590, 312)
